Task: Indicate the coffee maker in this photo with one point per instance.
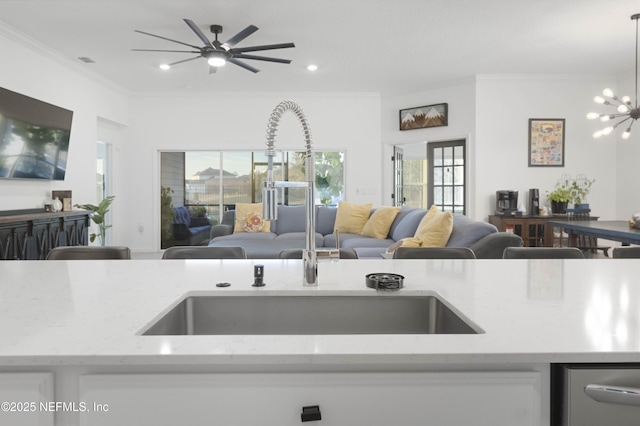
(506, 202)
(534, 202)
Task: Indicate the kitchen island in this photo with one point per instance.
(71, 334)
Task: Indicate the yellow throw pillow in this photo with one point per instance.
(249, 218)
(410, 242)
(351, 218)
(380, 222)
(435, 228)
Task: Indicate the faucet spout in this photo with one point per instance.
(269, 192)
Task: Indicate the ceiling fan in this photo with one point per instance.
(217, 53)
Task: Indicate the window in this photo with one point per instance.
(447, 181)
(210, 182)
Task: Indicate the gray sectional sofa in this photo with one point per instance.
(289, 232)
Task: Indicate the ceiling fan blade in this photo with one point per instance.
(172, 51)
(262, 58)
(264, 47)
(184, 60)
(168, 39)
(198, 32)
(243, 65)
(241, 35)
(212, 69)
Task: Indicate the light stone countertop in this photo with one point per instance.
(537, 311)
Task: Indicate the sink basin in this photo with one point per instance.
(310, 315)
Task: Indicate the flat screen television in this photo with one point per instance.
(34, 138)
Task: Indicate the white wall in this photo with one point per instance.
(50, 79)
(238, 121)
(506, 103)
(461, 98)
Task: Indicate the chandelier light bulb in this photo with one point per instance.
(627, 112)
(165, 67)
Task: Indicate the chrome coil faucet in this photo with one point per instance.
(269, 191)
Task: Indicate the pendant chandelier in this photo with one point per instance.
(626, 110)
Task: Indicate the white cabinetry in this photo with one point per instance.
(25, 399)
(439, 398)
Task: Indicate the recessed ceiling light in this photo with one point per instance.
(312, 67)
(165, 67)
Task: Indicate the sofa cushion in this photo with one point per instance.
(296, 240)
(325, 219)
(408, 221)
(290, 219)
(351, 218)
(435, 228)
(361, 242)
(249, 218)
(380, 222)
(467, 231)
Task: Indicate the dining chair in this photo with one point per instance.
(631, 252)
(542, 253)
(204, 252)
(433, 253)
(89, 253)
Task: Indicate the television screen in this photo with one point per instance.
(34, 138)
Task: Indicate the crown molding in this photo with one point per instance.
(41, 49)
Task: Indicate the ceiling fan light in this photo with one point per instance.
(216, 61)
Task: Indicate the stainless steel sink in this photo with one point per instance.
(311, 315)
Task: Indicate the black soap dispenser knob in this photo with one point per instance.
(258, 275)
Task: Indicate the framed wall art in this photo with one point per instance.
(546, 142)
(425, 116)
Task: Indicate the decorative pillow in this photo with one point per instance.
(380, 221)
(435, 228)
(249, 218)
(351, 218)
(410, 242)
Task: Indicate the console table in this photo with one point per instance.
(31, 234)
(533, 230)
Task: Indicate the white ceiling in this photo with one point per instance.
(359, 45)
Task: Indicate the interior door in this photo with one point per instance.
(398, 193)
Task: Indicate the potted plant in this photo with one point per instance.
(580, 187)
(560, 198)
(98, 217)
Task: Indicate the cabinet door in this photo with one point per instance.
(444, 399)
(25, 399)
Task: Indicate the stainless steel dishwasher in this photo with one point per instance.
(595, 394)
